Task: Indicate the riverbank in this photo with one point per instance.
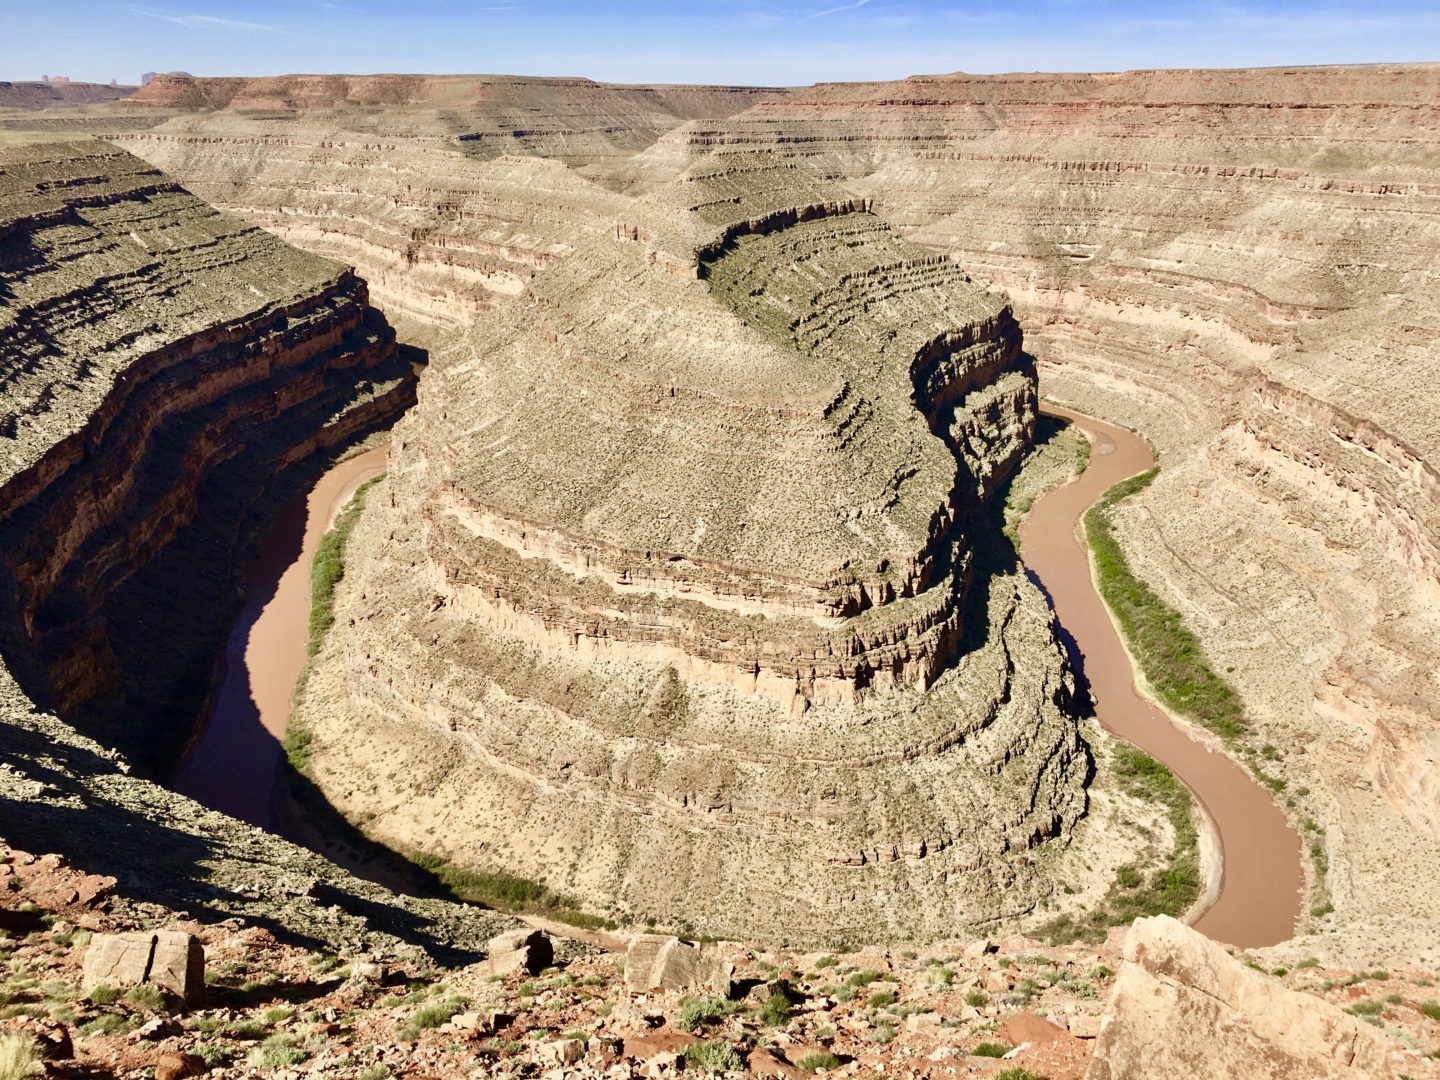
(1257, 901)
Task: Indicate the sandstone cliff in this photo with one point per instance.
(1241, 265)
(1238, 263)
(160, 362)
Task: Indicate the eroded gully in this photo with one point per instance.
(1258, 900)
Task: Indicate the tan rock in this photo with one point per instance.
(1182, 1006)
(562, 1051)
(520, 950)
(1085, 1025)
(657, 962)
(173, 1066)
(170, 959)
(1029, 1028)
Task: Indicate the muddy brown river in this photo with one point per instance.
(236, 763)
(1260, 886)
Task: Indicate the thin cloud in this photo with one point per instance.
(204, 22)
(833, 11)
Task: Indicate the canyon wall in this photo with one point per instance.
(1238, 263)
(161, 363)
(1242, 265)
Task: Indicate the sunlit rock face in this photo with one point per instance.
(713, 406)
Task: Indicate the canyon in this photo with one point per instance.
(684, 592)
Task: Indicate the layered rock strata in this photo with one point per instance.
(160, 362)
(1241, 265)
(681, 600)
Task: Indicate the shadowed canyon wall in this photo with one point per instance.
(161, 362)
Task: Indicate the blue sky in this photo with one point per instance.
(744, 41)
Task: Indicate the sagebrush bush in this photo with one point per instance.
(17, 1056)
(277, 1050)
(715, 1056)
(818, 1059)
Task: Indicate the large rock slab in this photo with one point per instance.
(1183, 1006)
(170, 959)
(658, 962)
(525, 950)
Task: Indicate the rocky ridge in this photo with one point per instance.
(959, 1008)
(695, 695)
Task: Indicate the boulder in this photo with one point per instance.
(1029, 1028)
(1183, 1006)
(170, 959)
(657, 962)
(527, 950)
(562, 1051)
(174, 1066)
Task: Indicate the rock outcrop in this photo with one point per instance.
(172, 960)
(1183, 1006)
(161, 361)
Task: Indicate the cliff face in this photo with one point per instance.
(1241, 265)
(161, 361)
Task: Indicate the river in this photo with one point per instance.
(236, 763)
(1259, 894)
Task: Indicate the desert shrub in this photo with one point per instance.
(215, 1054)
(882, 1033)
(937, 976)
(1367, 1008)
(1016, 1073)
(715, 1056)
(147, 997)
(818, 1059)
(275, 1051)
(17, 1056)
(697, 1012)
(863, 978)
(990, 1049)
(975, 998)
(1431, 1009)
(881, 999)
(104, 1025)
(826, 962)
(103, 995)
(430, 1016)
(378, 1071)
(776, 1010)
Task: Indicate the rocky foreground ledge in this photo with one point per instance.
(1157, 999)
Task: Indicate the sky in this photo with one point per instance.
(755, 42)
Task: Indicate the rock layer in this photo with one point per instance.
(161, 361)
